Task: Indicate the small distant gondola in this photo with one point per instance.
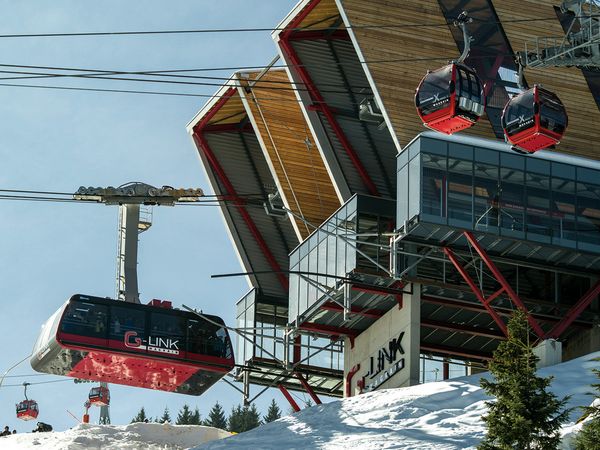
(450, 99)
(27, 409)
(534, 120)
(152, 346)
(99, 396)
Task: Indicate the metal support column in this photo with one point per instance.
(127, 281)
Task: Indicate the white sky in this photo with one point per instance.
(59, 140)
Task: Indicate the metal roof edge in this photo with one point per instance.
(287, 19)
(548, 155)
(211, 102)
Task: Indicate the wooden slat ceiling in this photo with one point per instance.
(291, 149)
(326, 14)
(568, 83)
(412, 51)
(232, 111)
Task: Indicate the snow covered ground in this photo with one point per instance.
(136, 436)
(441, 416)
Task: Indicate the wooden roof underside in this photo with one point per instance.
(569, 84)
(398, 58)
(291, 150)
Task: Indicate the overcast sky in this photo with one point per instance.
(54, 140)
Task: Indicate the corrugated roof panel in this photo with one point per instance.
(334, 68)
(242, 161)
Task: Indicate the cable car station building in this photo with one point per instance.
(371, 245)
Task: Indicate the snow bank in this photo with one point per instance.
(441, 416)
(434, 416)
(136, 436)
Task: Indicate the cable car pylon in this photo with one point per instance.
(452, 99)
(131, 197)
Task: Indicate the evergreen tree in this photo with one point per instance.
(251, 417)
(166, 417)
(140, 417)
(243, 419)
(185, 416)
(216, 417)
(273, 413)
(525, 415)
(589, 436)
(235, 423)
(195, 419)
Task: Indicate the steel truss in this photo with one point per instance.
(478, 257)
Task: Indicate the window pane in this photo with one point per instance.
(433, 187)
(539, 221)
(460, 196)
(126, 319)
(487, 197)
(85, 319)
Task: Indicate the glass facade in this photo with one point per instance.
(352, 239)
(264, 324)
(500, 192)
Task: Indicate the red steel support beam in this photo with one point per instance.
(445, 370)
(297, 353)
(575, 311)
(331, 331)
(227, 128)
(308, 389)
(500, 279)
(288, 49)
(475, 307)
(461, 270)
(289, 398)
(203, 145)
(475, 331)
(452, 351)
(349, 376)
(319, 34)
(372, 313)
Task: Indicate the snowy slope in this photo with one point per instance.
(136, 436)
(441, 416)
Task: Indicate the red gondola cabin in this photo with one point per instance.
(99, 396)
(450, 99)
(27, 410)
(534, 120)
(150, 346)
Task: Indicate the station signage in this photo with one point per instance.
(384, 365)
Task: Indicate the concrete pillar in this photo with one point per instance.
(386, 355)
(549, 351)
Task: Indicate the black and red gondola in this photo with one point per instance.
(452, 98)
(534, 120)
(152, 346)
(27, 409)
(99, 396)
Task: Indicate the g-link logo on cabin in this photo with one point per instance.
(385, 365)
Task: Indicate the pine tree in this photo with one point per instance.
(140, 417)
(235, 423)
(216, 417)
(185, 416)
(589, 436)
(166, 417)
(251, 417)
(273, 413)
(525, 415)
(243, 419)
(195, 419)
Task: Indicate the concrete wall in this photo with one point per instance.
(587, 341)
(387, 352)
